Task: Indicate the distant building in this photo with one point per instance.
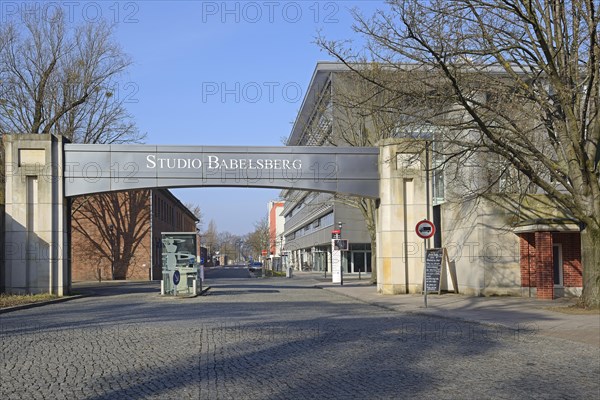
(276, 229)
(140, 216)
(310, 217)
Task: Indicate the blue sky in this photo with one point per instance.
(186, 52)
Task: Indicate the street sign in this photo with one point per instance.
(264, 252)
(340, 244)
(336, 264)
(176, 278)
(425, 229)
(336, 234)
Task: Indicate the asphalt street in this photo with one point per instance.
(230, 271)
(274, 338)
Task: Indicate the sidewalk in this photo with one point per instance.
(509, 312)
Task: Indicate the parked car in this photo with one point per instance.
(254, 265)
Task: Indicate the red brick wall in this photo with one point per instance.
(543, 264)
(571, 254)
(86, 259)
(527, 260)
(537, 261)
(171, 217)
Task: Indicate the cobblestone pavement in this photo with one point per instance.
(275, 339)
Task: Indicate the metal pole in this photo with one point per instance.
(341, 258)
(425, 272)
(151, 196)
(427, 183)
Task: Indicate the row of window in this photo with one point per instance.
(301, 204)
(319, 223)
(320, 125)
(165, 211)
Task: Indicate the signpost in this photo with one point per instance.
(425, 229)
(336, 257)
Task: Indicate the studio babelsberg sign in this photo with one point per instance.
(214, 162)
(102, 168)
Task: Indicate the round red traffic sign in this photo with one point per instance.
(425, 229)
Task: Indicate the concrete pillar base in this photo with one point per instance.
(36, 252)
(402, 204)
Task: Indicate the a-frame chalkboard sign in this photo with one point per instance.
(435, 260)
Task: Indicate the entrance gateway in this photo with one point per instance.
(92, 168)
(43, 172)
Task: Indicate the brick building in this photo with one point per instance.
(551, 261)
(119, 234)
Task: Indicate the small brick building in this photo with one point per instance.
(551, 259)
(119, 234)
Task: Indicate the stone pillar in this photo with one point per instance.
(37, 236)
(544, 271)
(403, 203)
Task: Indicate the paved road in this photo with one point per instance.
(230, 271)
(275, 339)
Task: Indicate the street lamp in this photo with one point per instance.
(239, 244)
(111, 229)
(340, 224)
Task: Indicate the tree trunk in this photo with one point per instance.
(368, 208)
(590, 260)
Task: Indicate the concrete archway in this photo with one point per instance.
(44, 171)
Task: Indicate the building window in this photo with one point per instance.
(557, 263)
(438, 186)
(327, 220)
(437, 165)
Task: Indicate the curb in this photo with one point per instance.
(41, 303)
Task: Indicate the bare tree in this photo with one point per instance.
(64, 79)
(209, 237)
(259, 239)
(197, 211)
(511, 82)
(61, 79)
(229, 244)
